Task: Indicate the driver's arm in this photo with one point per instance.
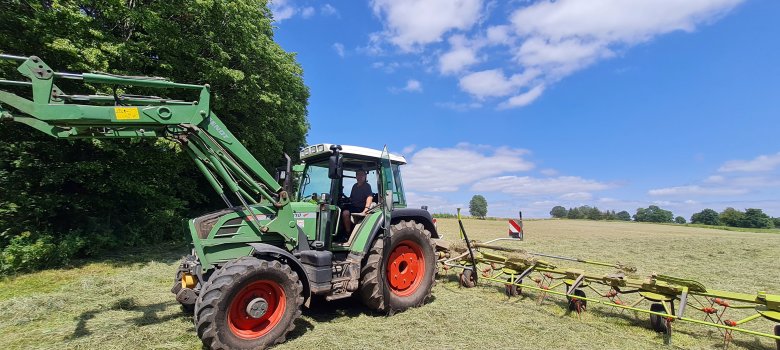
(369, 200)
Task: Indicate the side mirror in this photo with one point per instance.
(282, 175)
(335, 163)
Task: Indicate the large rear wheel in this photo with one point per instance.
(409, 271)
(248, 304)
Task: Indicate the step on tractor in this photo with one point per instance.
(256, 263)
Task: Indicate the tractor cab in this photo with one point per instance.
(328, 177)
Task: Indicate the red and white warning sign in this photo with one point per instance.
(516, 228)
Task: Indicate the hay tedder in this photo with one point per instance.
(665, 299)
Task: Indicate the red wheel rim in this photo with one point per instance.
(246, 327)
(405, 268)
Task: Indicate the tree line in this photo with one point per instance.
(750, 218)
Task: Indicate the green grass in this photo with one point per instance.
(123, 301)
(737, 229)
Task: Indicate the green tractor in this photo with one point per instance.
(255, 264)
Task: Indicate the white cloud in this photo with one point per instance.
(413, 86)
(436, 204)
(447, 169)
(339, 47)
(282, 10)
(549, 172)
(560, 37)
(286, 9)
(307, 12)
(615, 20)
(387, 67)
(408, 149)
(410, 24)
(526, 185)
(558, 59)
(329, 10)
(523, 99)
(758, 164)
(499, 35)
(576, 196)
(493, 82)
(461, 55)
(697, 190)
(486, 83)
(547, 39)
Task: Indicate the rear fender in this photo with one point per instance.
(420, 216)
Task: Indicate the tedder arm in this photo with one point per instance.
(228, 166)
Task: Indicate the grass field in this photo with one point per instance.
(123, 302)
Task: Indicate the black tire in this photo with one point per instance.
(658, 323)
(512, 290)
(467, 278)
(575, 304)
(218, 329)
(372, 279)
(777, 333)
(188, 308)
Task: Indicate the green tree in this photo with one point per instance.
(558, 212)
(593, 213)
(574, 213)
(756, 218)
(706, 217)
(679, 220)
(478, 206)
(83, 196)
(732, 217)
(623, 215)
(653, 214)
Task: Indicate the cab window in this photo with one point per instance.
(315, 181)
(349, 180)
(398, 194)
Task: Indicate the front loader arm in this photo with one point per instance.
(228, 166)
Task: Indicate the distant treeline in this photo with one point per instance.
(444, 216)
(750, 218)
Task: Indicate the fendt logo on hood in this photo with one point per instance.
(219, 129)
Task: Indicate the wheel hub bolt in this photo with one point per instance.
(257, 308)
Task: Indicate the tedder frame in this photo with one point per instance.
(670, 298)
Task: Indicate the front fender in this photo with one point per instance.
(267, 250)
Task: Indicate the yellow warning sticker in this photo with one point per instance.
(126, 113)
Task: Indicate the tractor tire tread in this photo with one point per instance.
(206, 307)
(371, 281)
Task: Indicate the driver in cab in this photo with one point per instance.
(360, 200)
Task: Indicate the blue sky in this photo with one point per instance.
(610, 103)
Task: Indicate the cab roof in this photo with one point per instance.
(322, 149)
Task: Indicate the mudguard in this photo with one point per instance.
(421, 216)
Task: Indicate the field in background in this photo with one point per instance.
(123, 302)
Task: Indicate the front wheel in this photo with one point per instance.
(408, 274)
(248, 304)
